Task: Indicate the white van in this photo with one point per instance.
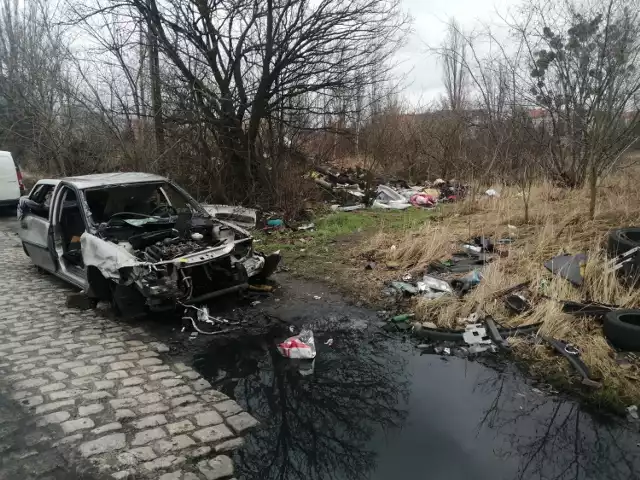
(11, 186)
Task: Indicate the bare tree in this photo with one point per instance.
(245, 61)
(453, 54)
(583, 60)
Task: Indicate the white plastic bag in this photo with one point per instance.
(299, 346)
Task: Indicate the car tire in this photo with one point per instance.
(622, 329)
(622, 240)
(24, 247)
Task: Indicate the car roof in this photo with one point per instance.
(110, 179)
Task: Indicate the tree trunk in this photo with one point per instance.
(593, 192)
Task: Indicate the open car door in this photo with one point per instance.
(35, 213)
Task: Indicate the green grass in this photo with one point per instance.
(313, 254)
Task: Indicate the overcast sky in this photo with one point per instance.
(423, 73)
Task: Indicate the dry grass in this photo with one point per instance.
(558, 224)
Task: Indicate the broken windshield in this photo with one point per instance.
(138, 204)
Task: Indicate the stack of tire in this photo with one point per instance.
(622, 327)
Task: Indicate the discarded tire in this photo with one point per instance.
(622, 329)
(622, 240)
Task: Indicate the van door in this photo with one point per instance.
(9, 185)
(35, 228)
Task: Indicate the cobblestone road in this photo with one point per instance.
(99, 395)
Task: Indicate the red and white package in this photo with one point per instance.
(299, 346)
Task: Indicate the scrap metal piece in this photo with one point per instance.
(569, 267)
(476, 334)
(572, 354)
(492, 329)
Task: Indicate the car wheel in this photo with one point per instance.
(622, 329)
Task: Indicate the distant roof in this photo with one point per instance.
(110, 179)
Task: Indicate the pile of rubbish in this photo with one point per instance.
(480, 332)
(455, 276)
(356, 189)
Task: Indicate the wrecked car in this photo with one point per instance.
(137, 240)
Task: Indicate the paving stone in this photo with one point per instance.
(190, 374)
(114, 351)
(146, 436)
(134, 343)
(93, 349)
(189, 409)
(129, 356)
(161, 375)
(40, 371)
(70, 365)
(177, 401)
(61, 394)
(99, 395)
(84, 381)
(124, 413)
(228, 408)
(151, 421)
(30, 383)
(33, 401)
(200, 384)
(71, 426)
(115, 375)
(212, 396)
(180, 427)
(177, 443)
(130, 392)
(90, 409)
(136, 455)
(103, 360)
(148, 354)
(123, 403)
(206, 419)
(180, 367)
(124, 474)
(177, 391)
(199, 452)
(160, 347)
(153, 408)
(172, 476)
(109, 427)
(132, 381)
(213, 434)
(53, 418)
(70, 439)
(121, 365)
(162, 462)
(104, 384)
(152, 397)
(229, 445)
(157, 368)
(50, 407)
(149, 361)
(218, 467)
(58, 376)
(172, 382)
(108, 443)
(88, 370)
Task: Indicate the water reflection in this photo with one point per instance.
(371, 410)
(553, 438)
(318, 426)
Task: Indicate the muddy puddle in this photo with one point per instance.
(375, 408)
